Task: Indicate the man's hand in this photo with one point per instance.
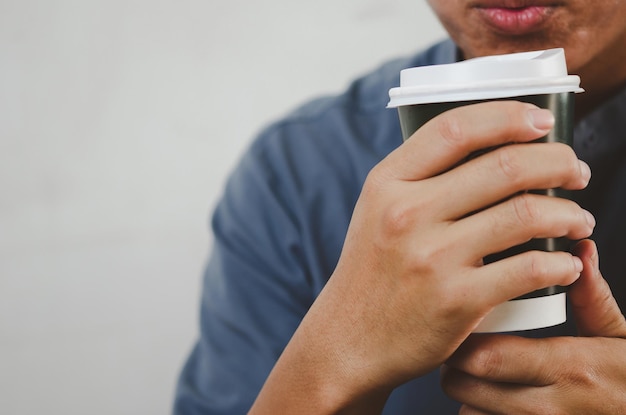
(410, 285)
(496, 374)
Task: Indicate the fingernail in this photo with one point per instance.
(585, 171)
(591, 221)
(541, 119)
(578, 264)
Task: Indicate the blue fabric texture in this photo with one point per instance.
(280, 225)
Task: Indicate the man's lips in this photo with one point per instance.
(515, 20)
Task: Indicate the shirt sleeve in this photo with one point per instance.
(255, 291)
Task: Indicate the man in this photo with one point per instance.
(351, 267)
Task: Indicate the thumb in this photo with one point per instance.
(595, 310)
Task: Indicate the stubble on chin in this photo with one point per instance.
(483, 44)
(476, 38)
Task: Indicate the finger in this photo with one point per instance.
(481, 396)
(508, 170)
(595, 310)
(509, 278)
(450, 137)
(509, 374)
(521, 218)
(510, 359)
(468, 410)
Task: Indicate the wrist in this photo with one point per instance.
(318, 376)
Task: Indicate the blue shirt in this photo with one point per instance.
(281, 223)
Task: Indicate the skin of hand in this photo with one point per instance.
(498, 374)
(410, 284)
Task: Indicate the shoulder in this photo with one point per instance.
(369, 93)
(355, 120)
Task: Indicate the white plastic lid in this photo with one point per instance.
(489, 77)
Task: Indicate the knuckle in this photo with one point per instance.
(487, 363)
(526, 210)
(425, 257)
(583, 376)
(398, 219)
(401, 216)
(509, 163)
(535, 265)
(514, 110)
(450, 129)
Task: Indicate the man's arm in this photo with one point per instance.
(410, 285)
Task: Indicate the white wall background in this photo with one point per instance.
(119, 120)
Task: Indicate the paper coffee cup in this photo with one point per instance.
(539, 78)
